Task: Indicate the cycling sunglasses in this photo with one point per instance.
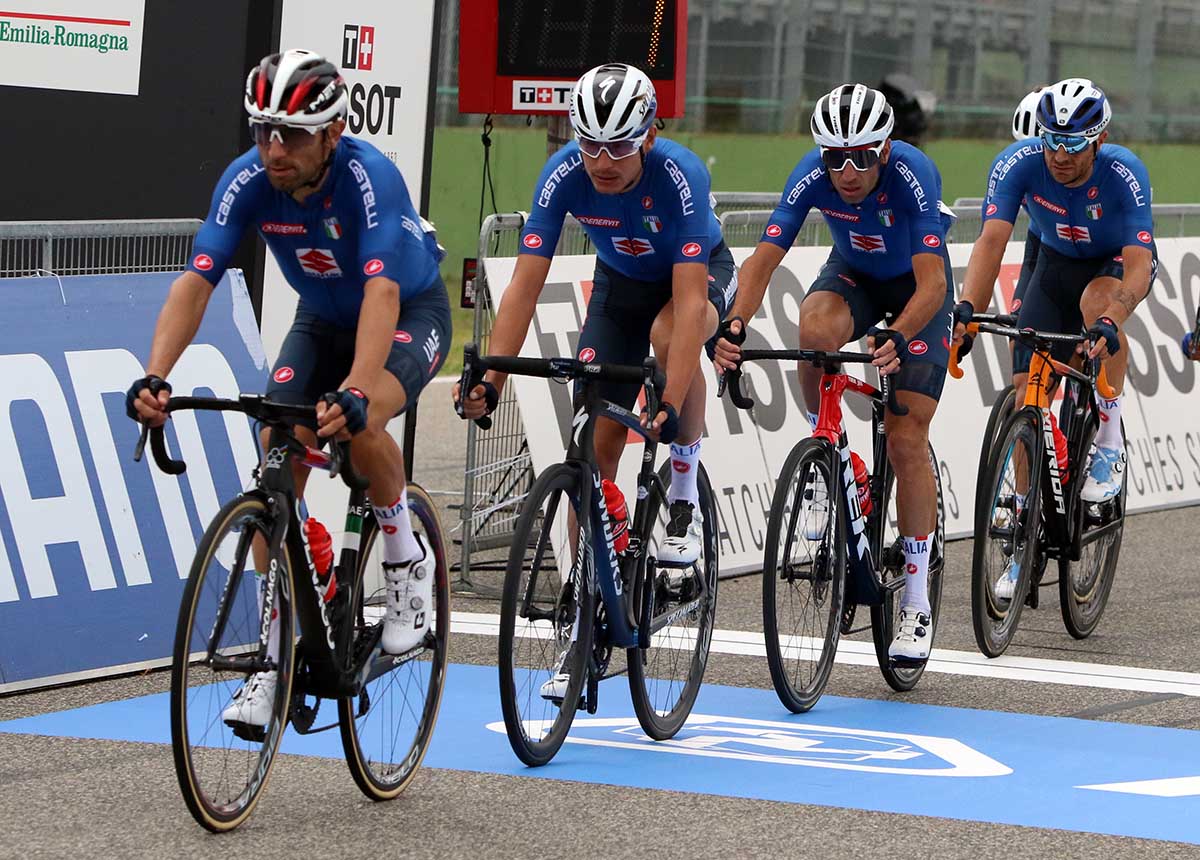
(288, 135)
(616, 149)
(1072, 143)
(861, 158)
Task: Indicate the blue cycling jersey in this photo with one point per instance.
(1099, 218)
(359, 225)
(878, 237)
(666, 218)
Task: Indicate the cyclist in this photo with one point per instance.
(372, 321)
(1024, 126)
(1090, 200)
(880, 199)
(663, 274)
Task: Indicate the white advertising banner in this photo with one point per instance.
(384, 50)
(92, 46)
(743, 451)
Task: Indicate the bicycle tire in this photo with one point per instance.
(901, 677)
(383, 775)
(789, 650)
(1082, 602)
(562, 605)
(996, 624)
(194, 685)
(1002, 406)
(659, 716)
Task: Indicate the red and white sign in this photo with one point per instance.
(632, 247)
(284, 374)
(533, 240)
(318, 263)
(280, 229)
(932, 241)
(541, 96)
(918, 347)
(869, 244)
(402, 336)
(1071, 233)
(1145, 237)
(774, 230)
(691, 249)
(587, 354)
(358, 47)
(373, 266)
(203, 262)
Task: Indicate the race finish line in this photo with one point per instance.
(885, 756)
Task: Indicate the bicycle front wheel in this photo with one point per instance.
(387, 727)
(223, 766)
(1007, 525)
(804, 576)
(1002, 407)
(546, 616)
(1084, 585)
(665, 678)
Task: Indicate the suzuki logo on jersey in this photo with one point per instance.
(867, 244)
(1095, 211)
(652, 223)
(634, 247)
(1071, 233)
(358, 47)
(318, 263)
(1053, 207)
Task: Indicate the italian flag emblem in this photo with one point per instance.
(1094, 211)
(332, 228)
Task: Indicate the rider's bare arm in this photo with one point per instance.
(516, 310)
(984, 265)
(753, 278)
(376, 328)
(178, 322)
(1134, 285)
(929, 271)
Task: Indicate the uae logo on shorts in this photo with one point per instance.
(332, 228)
(1094, 211)
(284, 374)
(318, 263)
(652, 223)
(873, 244)
(632, 247)
(886, 218)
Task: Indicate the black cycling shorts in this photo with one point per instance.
(316, 356)
(622, 310)
(872, 301)
(1033, 244)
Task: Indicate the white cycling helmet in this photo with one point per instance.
(1024, 123)
(613, 102)
(851, 115)
(295, 88)
(1074, 106)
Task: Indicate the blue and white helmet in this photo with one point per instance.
(613, 102)
(1025, 122)
(1074, 106)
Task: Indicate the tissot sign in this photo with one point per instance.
(88, 45)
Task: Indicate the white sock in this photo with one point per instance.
(685, 463)
(395, 524)
(916, 574)
(273, 636)
(1109, 434)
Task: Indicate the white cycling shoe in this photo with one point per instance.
(252, 703)
(914, 637)
(1105, 474)
(684, 528)
(409, 601)
(816, 507)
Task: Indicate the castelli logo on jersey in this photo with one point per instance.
(881, 197)
(203, 262)
(533, 240)
(373, 267)
(992, 209)
(691, 249)
(1093, 193)
(587, 354)
(918, 347)
(1144, 237)
(932, 241)
(647, 202)
(849, 280)
(1016, 306)
(774, 230)
(402, 337)
(284, 374)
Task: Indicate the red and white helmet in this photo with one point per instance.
(296, 88)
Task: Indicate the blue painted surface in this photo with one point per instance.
(744, 744)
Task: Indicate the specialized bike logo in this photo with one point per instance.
(318, 263)
(707, 736)
(633, 246)
(1071, 233)
(872, 244)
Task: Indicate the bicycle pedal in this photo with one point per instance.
(248, 732)
(906, 662)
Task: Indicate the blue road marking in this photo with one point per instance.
(888, 756)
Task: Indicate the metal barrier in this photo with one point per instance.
(95, 247)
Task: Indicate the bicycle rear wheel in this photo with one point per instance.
(1084, 585)
(546, 616)
(223, 768)
(387, 727)
(886, 617)
(1006, 532)
(804, 576)
(665, 678)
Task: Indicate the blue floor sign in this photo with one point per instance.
(889, 756)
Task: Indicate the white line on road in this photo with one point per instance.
(1071, 673)
(1182, 786)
